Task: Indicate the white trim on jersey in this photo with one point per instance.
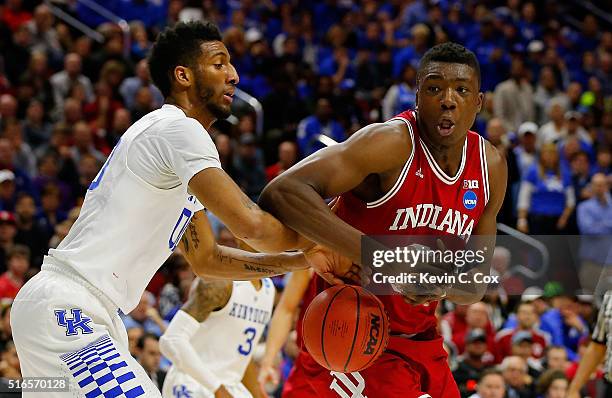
(400, 180)
(438, 171)
(484, 168)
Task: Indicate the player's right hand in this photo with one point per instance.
(222, 393)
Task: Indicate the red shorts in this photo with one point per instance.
(407, 369)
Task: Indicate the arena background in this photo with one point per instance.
(73, 78)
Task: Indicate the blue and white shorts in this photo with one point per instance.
(64, 327)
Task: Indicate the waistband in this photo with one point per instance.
(59, 267)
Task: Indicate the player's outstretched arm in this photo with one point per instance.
(486, 230)
(281, 323)
(220, 194)
(204, 298)
(210, 260)
(297, 196)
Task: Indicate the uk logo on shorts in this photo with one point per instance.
(469, 200)
(181, 391)
(78, 322)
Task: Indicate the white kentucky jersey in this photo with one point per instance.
(138, 206)
(226, 339)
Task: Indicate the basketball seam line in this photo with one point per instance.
(356, 329)
(323, 327)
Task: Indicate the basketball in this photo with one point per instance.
(345, 328)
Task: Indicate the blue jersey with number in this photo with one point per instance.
(227, 338)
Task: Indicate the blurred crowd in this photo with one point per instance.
(324, 67)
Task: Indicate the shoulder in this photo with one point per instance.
(206, 296)
(497, 169)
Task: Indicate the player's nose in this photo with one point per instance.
(448, 100)
(232, 75)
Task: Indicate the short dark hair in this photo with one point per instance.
(142, 339)
(490, 372)
(451, 53)
(178, 45)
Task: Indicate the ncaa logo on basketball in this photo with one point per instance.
(374, 332)
(469, 200)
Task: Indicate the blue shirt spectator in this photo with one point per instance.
(594, 218)
(320, 123)
(559, 323)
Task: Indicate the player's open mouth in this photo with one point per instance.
(446, 127)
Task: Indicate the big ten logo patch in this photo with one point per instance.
(347, 388)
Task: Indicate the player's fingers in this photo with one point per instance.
(330, 278)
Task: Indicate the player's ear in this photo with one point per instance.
(480, 101)
(183, 76)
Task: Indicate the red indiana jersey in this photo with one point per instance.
(423, 201)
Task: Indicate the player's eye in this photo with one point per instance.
(462, 90)
(433, 89)
(218, 66)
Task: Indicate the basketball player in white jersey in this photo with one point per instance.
(210, 341)
(161, 175)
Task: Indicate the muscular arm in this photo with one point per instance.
(204, 298)
(485, 232)
(297, 196)
(210, 260)
(218, 193)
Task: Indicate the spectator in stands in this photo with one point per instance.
(134, 334)
(44, 37)
(171, 299)
(522, 346)
(122, 120)
(99, 113)
(146, 316)
(552, 384)
(491, 385)
(525, 151)
(29, 232)
(14, 14)
(603, 163)
(8, 230)
(476, 317)
(6, 333)
(321, 123)
(18, 263)
(473, 361)
(287, 157)
(546, 197)
(402, 95)
(36, 129)
(488, 46)
(519, 383)
(36, 79)
(23, 157)
(513, 98)
(143, 103)
(83, 143)
(594, 218)
(50, 213)
(546, 91)
(556, 129)
(8, 194)
(564, 324)
(8, 110)
(527, 319)
(130, 86)
(581, 176)
(556, 358)
(249, 167)
(62, 81)
(149, 356)
(9, 362)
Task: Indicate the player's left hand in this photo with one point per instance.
(333, 267)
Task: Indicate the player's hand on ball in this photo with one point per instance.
(333, 267)
(222, 393)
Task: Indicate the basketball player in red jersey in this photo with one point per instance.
(421, 173)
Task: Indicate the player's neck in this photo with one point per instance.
(448, 157)
(181, 101)
(257, 284)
